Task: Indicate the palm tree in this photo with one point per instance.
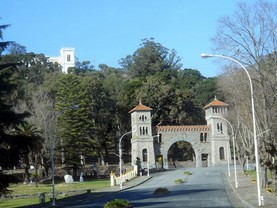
(29, 144)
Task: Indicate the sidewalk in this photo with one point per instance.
(247, 192)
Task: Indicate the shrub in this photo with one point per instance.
(160, 191)
(179, 180)
(187, 173)
(117, 203)
(160, 160)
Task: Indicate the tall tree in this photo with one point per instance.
(249, 35)
(104, 112)
(16, 49)
(42, 109)
(150, 59)
(36, 78)
(29, 146)
(9, 153)
(75, 125)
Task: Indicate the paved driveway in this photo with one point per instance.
(204, 188)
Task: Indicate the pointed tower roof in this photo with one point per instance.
(216, 103)
(140, 107)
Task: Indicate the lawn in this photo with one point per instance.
(253, 176)
(63, 190)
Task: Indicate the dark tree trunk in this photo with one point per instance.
(243, 164)
(26, 174)
(263, 175)
(75, 169)
(36, 176)
(274, 180)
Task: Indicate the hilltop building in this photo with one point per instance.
(66, 59)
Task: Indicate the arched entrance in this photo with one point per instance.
(181, 154)
(206, 140)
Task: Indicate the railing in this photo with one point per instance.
(117, 180)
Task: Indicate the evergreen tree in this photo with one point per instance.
(75, 123)
(9, 151)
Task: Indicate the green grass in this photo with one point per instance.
(251, 173)
(253, 178)
(60, 187)
(19, 202)
(31, 189)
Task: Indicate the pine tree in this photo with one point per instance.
(75, 125)
(9, 151)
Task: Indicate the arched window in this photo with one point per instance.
(144, 155)
(201, 137)
(219, 128)
(160, 138)
(205, 137)
(68, 57)
(221, 153)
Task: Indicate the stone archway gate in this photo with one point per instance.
(197, 135)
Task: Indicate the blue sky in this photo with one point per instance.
(104, 31)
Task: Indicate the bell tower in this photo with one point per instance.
(215, 113)
(142, 139)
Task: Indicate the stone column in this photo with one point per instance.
(198, 159)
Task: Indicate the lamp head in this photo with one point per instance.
(204, 55)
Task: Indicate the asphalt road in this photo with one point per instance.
(204, 188)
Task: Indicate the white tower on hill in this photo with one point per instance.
(66, 59)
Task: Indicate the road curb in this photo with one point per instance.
(134, 185)
(236, 193)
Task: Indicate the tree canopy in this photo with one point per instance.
(11, 145)
(104, 96)
(249, 35)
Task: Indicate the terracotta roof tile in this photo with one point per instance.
(217, 103)
(140, 107)
(184, 128)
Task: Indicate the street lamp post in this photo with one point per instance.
(234, 149)
(52, 149)
(253, 118)
(120, 156)
(228, 161)
(148, 160)
(53, 170)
